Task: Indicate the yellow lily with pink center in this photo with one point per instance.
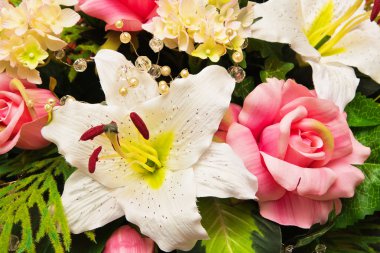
(333, 36)
(148, 156)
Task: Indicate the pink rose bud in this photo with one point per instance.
(120, 15)
(301, 150)
(22, 114)
(126, 239)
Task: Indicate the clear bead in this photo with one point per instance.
(237, 72)
(80, 65)
(155, 71)
(245, 44)
(13, 243)
(66, 99)
(143, 63)
(123, 73)
(59, 54)
(156, 45)
(320, 248)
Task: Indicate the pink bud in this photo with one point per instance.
(126, 239)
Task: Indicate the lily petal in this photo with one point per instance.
(88, 204)
(220, 173)
(168, 215)
(109, 64)
(192, 110)
(282, 22)
(335, 82)
(70, 122)
(362, 50)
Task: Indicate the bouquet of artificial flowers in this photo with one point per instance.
(216, 126)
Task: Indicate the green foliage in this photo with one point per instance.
(275, 68)
(32, 202)
(15, 2)
(236, 228)
(244, 88)
(364, 237)
(363, 112)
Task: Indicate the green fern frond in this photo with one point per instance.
(30, 205)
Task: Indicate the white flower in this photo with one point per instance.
(331, 35)
(156, 156)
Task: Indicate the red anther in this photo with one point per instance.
(93, 159)
(91, 133)
(140, 125)
(375, 10)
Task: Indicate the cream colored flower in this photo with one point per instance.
(27, 31)
(181, 24)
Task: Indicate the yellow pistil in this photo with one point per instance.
(323, 34)
(17, 84)
(349, 26)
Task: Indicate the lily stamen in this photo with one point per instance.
(93, 159)
(140, 125)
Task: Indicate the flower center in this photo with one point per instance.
(323, 34)
(147, 157)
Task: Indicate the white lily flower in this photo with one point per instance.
(156, 156)
(331, 35)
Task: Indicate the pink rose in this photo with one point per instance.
(126, 239)
(299, 147)
(20, 126)
(133, 13)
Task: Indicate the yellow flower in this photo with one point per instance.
(31, 54)
(210, 50)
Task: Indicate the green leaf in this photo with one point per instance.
(275, 68)
(363, 112)
(244, 88)
(34, 190)
(366, 200)
(235, 228)
(361, 238)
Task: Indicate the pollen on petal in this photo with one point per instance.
(139, 124)
(91, 133)
(93, 159)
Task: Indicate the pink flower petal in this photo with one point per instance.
(275, 139)
(305, 181)
(40, 98)
(30, 135)
(220, 136)
(126, 239)
(318, 109)
(244, 145)
(231, 116)
(315, 126)
(342, 139)
(257, 113)
(294, 210)
(133, 13)
(348, 178)
(292, 90)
